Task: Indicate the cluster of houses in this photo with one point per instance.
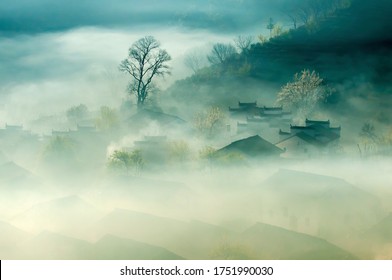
(268, 131)
(259, 132)
(14, 138)
(253, 131)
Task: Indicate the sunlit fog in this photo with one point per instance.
(199, 129)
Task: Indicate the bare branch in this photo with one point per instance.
(220, 53)
(243, 43)
(145, 61)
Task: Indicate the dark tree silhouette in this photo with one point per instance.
(145, 61)
(243, 43)
(220, 53)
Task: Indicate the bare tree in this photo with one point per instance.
(294, 18)
(145, 61)
(195, 61)
(243, 43)
(220, 53)
(313, 10)
(369, 139)
(305, 14)
(77, 113)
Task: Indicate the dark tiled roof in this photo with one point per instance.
(281, 132)
(302, 127)
(253, 119)
(158, 138)
(86, 128)
(247, 104)
(272, 108)
(316, 122)
(145, 116)
(319, 141)
(252, 146)
(14, 127)
(242, 124)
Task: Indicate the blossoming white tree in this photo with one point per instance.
(304, 93)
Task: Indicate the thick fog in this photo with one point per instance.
(210, 165)
(46, 73)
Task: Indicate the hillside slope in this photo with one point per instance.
(348, 49)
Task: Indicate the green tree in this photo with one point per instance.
(210, 121)
(59, 147)
(207, 156)
(368, 140)
(77, 113)
(179, 151)
(122, 160)
(146, 60)
(108, 119)
(207, 153)
(60, 155)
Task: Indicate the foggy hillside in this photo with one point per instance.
(348, 45)
(201, 129)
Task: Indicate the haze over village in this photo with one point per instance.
(197, 130)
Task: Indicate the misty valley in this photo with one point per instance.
(196, 142)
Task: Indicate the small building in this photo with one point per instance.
(86, 128)
(251, 147)
(165, 122)
(245, 108)
(12, 133)
(155, 149)
(314, 139)
(252, 119)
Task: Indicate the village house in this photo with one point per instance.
(17, 142)
(315, 139)
(154, 149)
(254, 147)
(251, 119)
(244, 109)
(15, 134)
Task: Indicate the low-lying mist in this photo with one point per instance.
(271, 209)
(214, 162)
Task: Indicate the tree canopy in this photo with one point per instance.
(304, 93)
(220, 53)
(146, 60)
